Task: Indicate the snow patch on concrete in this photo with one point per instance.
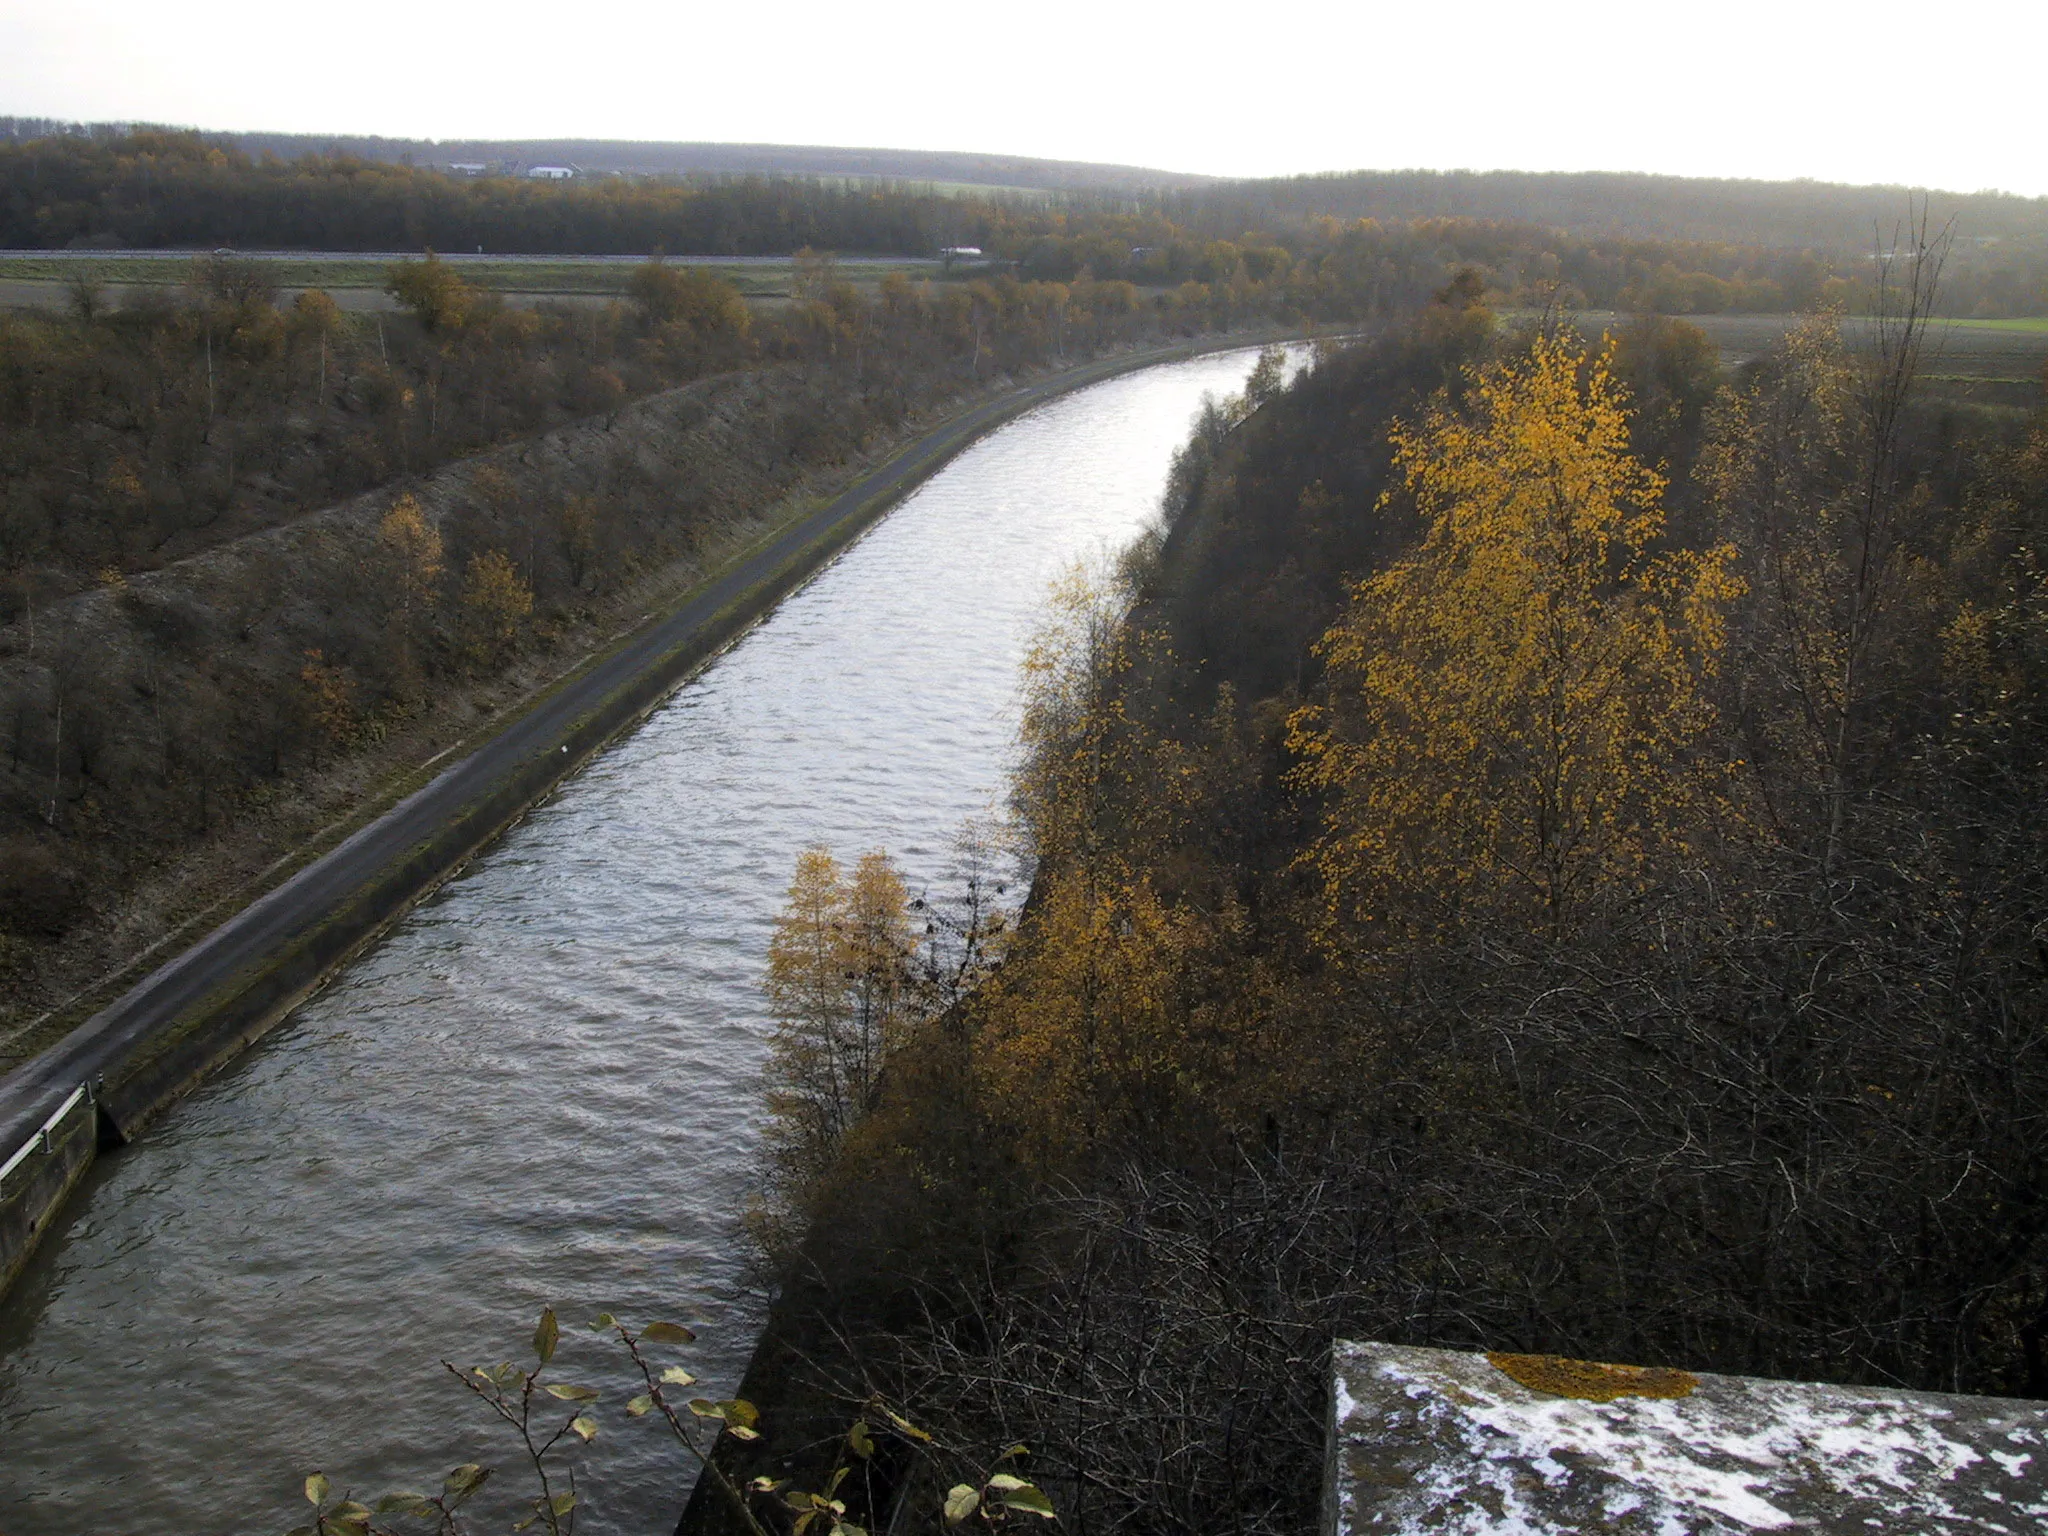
(1441, 1441)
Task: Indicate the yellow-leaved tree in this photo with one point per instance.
(1516, 716)
(1086, 1036)
(410, 550)
(1807, 463)
(412, 553)
(1095, 775)
(495, 607)
(433, 291)
(841, 985)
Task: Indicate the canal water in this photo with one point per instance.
(543, 1085)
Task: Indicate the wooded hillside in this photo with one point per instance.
(1540, 851)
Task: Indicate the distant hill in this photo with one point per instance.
(1784, 214)
(639, 158)
(1780, 215)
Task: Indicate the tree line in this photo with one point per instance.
(1537, 850)
(1616, 242)
(160, 188)
(1781, 214)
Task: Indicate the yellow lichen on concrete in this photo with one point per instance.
(1591, 1381)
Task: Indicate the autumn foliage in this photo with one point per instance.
(1516, 713)
(840, 982)
(1538, 851)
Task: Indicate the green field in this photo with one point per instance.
(1960, 352)
(2036, 325)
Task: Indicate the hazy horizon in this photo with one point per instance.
(1775, 92)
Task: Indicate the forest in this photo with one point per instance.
(1537, 849)
(1595, 242)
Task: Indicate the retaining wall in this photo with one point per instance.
(39, 1176)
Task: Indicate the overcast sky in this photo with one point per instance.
(1948, 95)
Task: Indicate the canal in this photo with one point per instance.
(543, 1085)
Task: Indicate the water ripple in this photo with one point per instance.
(543, 1084)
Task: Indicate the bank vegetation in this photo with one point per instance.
(261, 559)
(1540, 849)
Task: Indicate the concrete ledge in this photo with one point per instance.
(1428, 1440)
(39, 1175)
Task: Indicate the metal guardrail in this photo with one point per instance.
(40, 1141)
